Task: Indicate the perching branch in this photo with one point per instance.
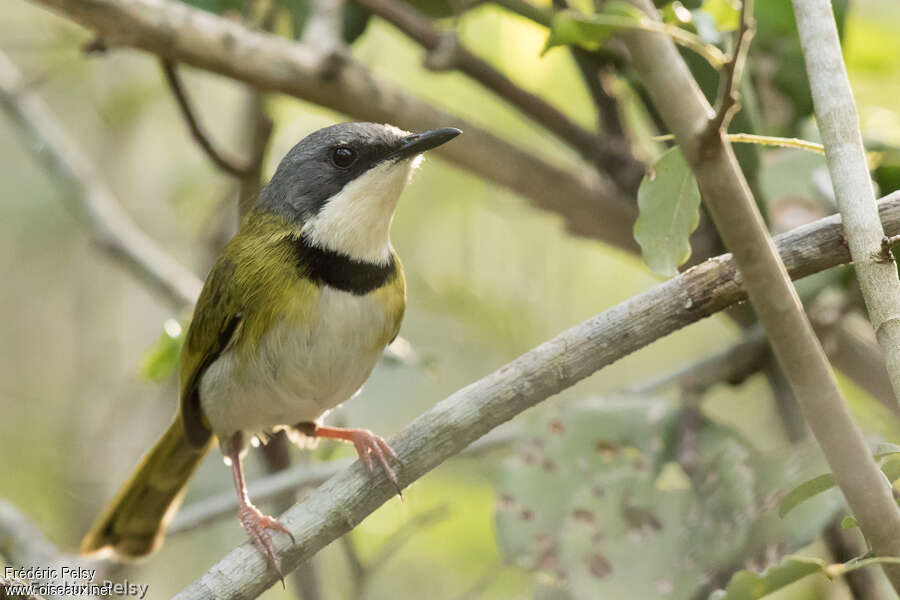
(587, 200)
(732, 208)
(286, 484)
(343, 501)
(225, 163)
(110, 227)
(838, 124)
(446, 52)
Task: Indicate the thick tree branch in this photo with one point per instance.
(225, 163)
(586, 200)
(109, 225)
(732, 207)
(446, 52)
(347, 498)
(838, 123)
(286, 484)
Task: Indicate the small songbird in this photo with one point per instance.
(290, 323)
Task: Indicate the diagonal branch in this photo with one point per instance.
(286, 484)
(110, 226)
(347, 498)
(447, 52)
(587, 200)
(734, 211)
(225, 163)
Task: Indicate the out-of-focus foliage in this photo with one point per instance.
(597, 497)
(815, 486)
(750, 585)
(488, 279)
(571, 28)
(161, 359)
(668, 213)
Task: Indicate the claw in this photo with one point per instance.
(257, 526)
(367, 445)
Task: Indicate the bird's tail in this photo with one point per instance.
(134, 523)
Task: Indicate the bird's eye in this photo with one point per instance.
(343, 157)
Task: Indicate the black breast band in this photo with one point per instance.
(339, 270)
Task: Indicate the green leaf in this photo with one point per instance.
(726, 15)
(823, 483)
(161, 358)
(668, 212)
(747, 585)
(848, 522)
(217, 6)
(805, 491)
(572, 28)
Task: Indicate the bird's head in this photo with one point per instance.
(341, 184)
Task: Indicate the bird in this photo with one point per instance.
(290, 323)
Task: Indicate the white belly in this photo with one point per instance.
(299, 373)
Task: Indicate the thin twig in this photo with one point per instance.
(452, 424)
(626, 171)
(587, 200)
(227, 164)
(396, 541)
(732, 365)
(729, 100)
(446, 52)
(355, 564)
(526, 9)
(110, 227)
(361, 570)
(484, 582)
(845, 545)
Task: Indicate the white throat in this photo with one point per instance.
(357, 220)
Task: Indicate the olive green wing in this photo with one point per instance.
(215, 326)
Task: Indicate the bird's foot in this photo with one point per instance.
(369, 445)
(258, 527)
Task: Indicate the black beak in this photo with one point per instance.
(417, 143)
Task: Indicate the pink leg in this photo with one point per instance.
(367, 445)
(256, 524)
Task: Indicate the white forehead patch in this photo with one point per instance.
(357, 220)
(396, 130)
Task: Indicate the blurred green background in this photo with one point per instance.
(489, 277)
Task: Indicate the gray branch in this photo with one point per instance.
(109, 225)
(733, 209)
(613, 155)
(587, 200)
(457, 421)
(284, 485)
(838, 123)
